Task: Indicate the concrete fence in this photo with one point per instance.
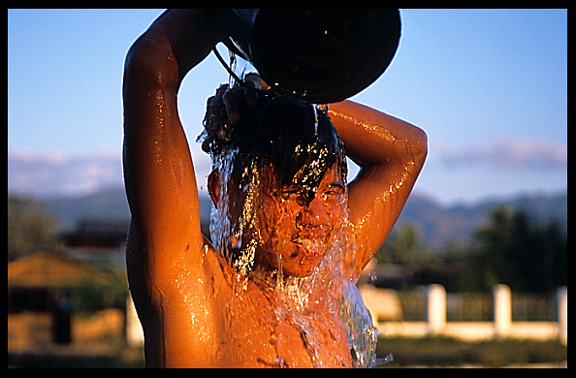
(436, 323)
(386, 304)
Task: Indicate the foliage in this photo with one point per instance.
(511, 248)
(441, 351)
(517, 251)
(404, 246)
(92, 295)
(28, 226)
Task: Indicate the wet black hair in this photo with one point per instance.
(297, 138)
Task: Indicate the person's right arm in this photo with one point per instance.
(158, 169)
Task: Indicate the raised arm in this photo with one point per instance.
(158, 169)
(390, 153)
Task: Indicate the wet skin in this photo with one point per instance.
(295, 232)
(193, 311)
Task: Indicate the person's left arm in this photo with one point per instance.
(391, 154)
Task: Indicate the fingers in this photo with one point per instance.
(216, 118)
(224, 109)
(255, 81)
(233, 100)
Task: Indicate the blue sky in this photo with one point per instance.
(488, 86)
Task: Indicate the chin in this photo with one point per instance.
(302, 268)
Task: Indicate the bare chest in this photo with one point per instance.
(263, 331)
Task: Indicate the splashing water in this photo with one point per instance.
(317, 305)
(301, 301)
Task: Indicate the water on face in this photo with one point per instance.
(326, 298)
(314, 304)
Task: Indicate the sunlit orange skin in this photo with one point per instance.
(185, 294)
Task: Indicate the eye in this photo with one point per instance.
(333, 191)
(337, 188)
(329, 194)
(286, 193)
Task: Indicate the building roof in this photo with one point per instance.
(49, 269)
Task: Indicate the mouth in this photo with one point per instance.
(308, 248)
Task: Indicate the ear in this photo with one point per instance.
(214, 186)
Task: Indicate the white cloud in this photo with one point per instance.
(51, 173)
(505, 153)
(55, 172)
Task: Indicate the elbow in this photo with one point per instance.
(150, 62)
(139, 57)
(419, 147)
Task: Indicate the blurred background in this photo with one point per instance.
(489, 209)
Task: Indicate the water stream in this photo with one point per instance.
(325, 300)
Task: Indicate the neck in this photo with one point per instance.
(272, 278)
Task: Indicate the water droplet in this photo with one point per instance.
(312, 304)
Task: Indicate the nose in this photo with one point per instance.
(313, 214)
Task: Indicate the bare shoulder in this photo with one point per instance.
(391, 153)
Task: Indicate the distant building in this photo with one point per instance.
(98, 233)
(35, 283)
(98, 241)
(33, 280)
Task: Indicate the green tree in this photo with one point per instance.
(92, 294)
(29, 227)
(405, 245)
(517, 251)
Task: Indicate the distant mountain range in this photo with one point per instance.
(438, 224)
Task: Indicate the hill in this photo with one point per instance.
(105, 204)
(439, 224)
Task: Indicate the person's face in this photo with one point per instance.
(294, 232)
